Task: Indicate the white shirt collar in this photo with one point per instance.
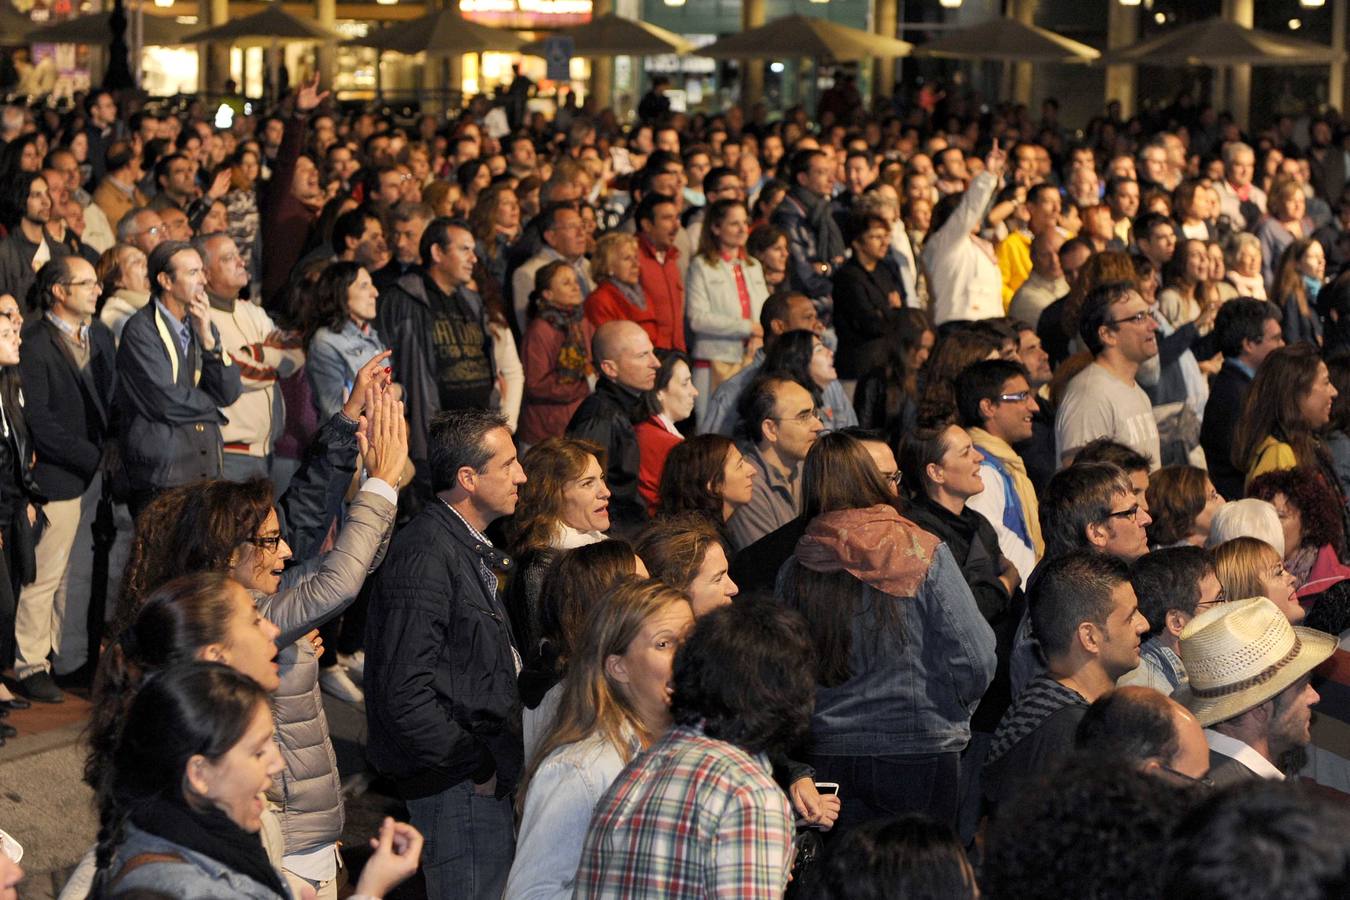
(669, 424)
(1243, 753)
(570, 538)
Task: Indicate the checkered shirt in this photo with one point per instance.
(691, 817)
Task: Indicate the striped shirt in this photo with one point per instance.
(690, 817)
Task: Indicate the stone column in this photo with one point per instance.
(1023, 73)
(602, 68)
(1336, 83)
(1122, 30)
(884, 14)
(1240, 12)
(325, 13)
(752, 70)
(216, 60)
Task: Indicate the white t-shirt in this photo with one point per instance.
(1097, 404)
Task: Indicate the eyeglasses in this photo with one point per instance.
(83, 282)
(1205, 782)
(1132, 514)
(892, 478)
(269, 543)
(1019, 397)
(1138, 318)
(154, 230)
(802, 417)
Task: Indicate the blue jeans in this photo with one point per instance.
(881, 787)
(469, 842)
(242, 467)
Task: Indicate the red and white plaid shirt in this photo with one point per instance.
(691, 817)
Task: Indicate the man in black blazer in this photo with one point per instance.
(68, 368)
(1247, 332)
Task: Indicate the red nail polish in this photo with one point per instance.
(388, 370)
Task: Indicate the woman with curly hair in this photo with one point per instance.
(563, 504)
(233, 528)
(1314, 543)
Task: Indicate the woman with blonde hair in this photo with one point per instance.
(1249, 567)
(1288, 222)
(615, 701)
(1244, 266)
(617, 294)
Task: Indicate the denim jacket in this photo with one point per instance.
(559, 802)
(333, 360)
(915, 694)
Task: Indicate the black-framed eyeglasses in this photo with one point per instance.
(892, 478)
(1138, 318)
(1019, 397)
(269, 543)
(800, 418)
(1132, 514)
(1205, 782)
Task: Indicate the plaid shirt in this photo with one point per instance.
(691, 817)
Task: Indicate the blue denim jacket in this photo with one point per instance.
(333, 360)
(914, 695)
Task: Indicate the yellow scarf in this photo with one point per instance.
(1017, 469)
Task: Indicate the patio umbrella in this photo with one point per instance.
(1007, 39)
(271, 25)
(95, 29)
(611, 35)
(798, 36)
(1218, 42)
(441, 33)
(14, 28)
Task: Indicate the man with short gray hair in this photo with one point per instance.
(442, 706)
(1239, 199)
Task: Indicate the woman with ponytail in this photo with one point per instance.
(180, 799)
(615, 702)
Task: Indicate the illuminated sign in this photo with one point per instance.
(527, 13)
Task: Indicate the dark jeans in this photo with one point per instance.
(469, 842)
(880, 787)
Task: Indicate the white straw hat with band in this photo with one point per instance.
(1238, 655)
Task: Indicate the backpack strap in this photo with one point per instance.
(145, 859)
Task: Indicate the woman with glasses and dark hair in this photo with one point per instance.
(904, 652)
(220, 526)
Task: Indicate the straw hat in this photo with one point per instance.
(1238, 655)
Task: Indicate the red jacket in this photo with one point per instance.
(654, 444)
(550, 398)
(607, 303)
(663, 285)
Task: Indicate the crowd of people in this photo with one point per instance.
(940, 504)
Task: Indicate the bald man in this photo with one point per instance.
(627, 365)
(1045, 284)
(1148, 730)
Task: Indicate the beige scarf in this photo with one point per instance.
(1026, 492)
